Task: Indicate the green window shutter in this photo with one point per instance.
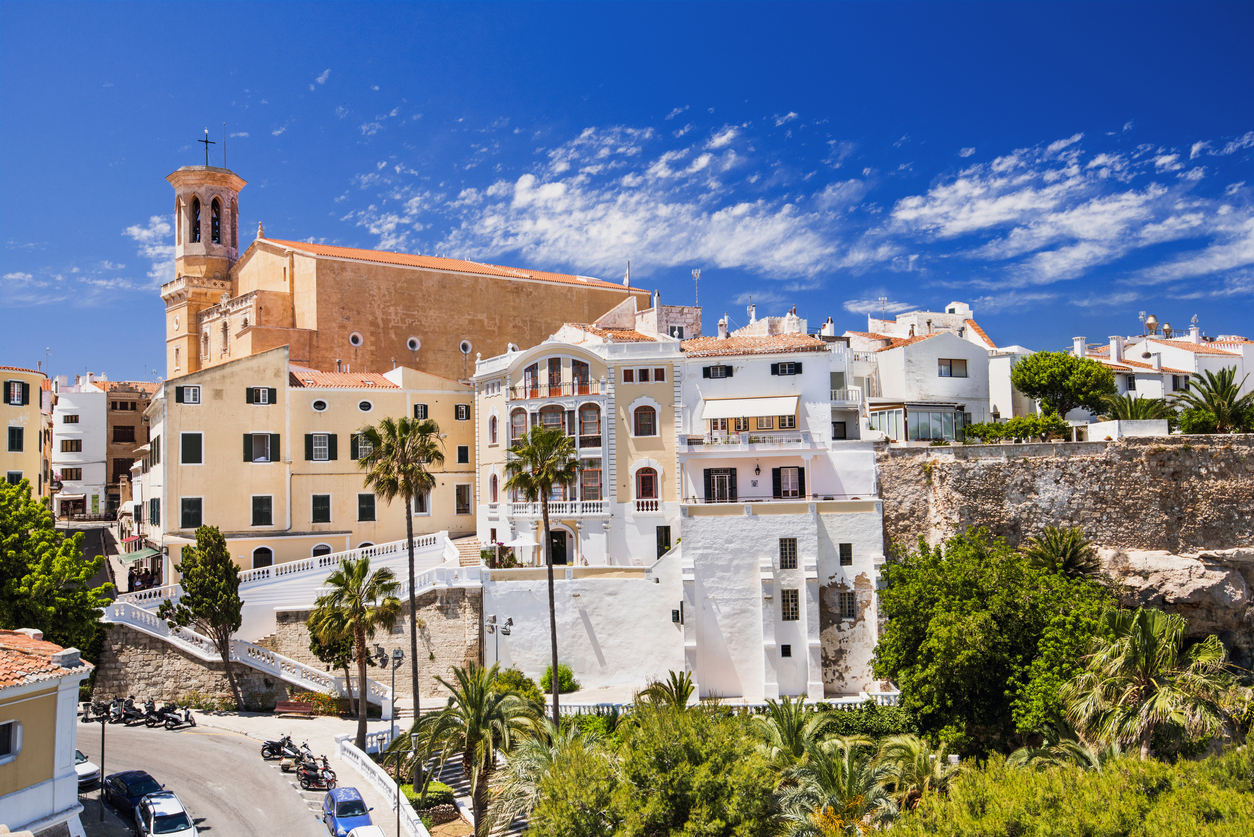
(25, 393)
(308, 447)
(248, 395)
(801, 481)
(774, 368)
(797, 367)
(274, 393)
(248, 447)
(352, 447)
(275, 450)
(777, 484)
(332, 447)
(178, 395)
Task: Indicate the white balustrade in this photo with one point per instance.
(852, 395)
(381, 781)
(560, 508)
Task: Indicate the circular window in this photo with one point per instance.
(465, 347)
(365, 406)
(414, 344)
(355, 338)
(319, 405)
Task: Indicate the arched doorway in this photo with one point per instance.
(263, 556)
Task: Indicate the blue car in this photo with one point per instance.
(343, 809)
(124, 790)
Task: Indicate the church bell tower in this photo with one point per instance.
(206, 245)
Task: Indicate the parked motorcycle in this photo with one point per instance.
(132, 714)
(94, 710)
(296, 758)
(117, 711)
(313, 774)
(176, 717)
(152, 716)
(282, 748)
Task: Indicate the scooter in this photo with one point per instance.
(282, 748)
(175, 717)
(117, 711)
(94, 710)
(152, 717)
(132, 715)
(315, 775)
(296, 758)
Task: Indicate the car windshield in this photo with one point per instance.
(142, 787)
(79, 758)
(351, 808)
(171, 824)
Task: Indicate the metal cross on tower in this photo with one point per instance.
(696, 286)
(208, 142)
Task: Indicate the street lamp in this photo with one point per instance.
(398, 659)
(103, 719)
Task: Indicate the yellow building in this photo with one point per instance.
(23, 455)
(345, 309)
(267, 450)
(38, 729)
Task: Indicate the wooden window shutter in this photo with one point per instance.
(248, 395)
(332, 447)
(709, 486)
(308, 447)
(801, 482)
(25, 393)
(274, 393)
(728, 370)
(248, 447)
(352, 447)
(797, 367)
(777, 485)
(774, 368)
(705, 371)
(731, 485)
(178, 395)
(275, 456)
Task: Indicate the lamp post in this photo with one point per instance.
(103, 719)
(398, 659)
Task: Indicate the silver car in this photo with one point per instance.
(163, 813)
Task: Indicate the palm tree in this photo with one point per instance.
(914, 768)
(674, 692)
(1135, 408)
(365, 601)
(788, 728)
(399, 452)
(838, 789)
(1063, 551)
(540, 460)
(530, 761)
(478, 721)
(1220, 395)
(1138, 679)
(1063, 750)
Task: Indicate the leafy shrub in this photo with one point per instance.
(323, 704)
(872, 720)
(565, 680)
(438, 793)
(1196, 421)
(513, 681)
(206, 702)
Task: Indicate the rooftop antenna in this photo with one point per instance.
(696, 287)
(208, 142)
(883, 307)
(1141, 314)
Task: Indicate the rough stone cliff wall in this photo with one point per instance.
(1178, 494)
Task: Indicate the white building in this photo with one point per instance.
(79, 432)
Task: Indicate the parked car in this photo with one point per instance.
(88, 773)
(124, 790)
(163, 813)
(343, 810)
(367, 831)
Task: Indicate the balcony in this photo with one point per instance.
(648, 506)
(523, 391)
(847, 398)
(752, 441)
(560, 508)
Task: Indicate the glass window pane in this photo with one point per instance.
(914, 425)
(938, 429)
(948, 425)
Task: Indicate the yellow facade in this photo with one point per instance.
(226, 484)
(659, 448)
(37, 715)
(23, 449)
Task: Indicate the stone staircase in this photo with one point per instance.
(468, 551)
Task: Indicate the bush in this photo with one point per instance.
(206, 703)
(513, 681)
(565, 680)
(872, 720)
(1196, 421)
(323, 704)
(438, 793)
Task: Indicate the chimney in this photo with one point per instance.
(1156, 361)
(1116, 349)
(753, 313)
(722, 328)
(1078, 346)
(829, 328)
(1195, 334)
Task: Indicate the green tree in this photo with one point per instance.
(1138, 678)
(533, 757)
(1220, 395)
(44, 582)
(1196, 421)
(1135, 408)
(478, 721)
(543, 459)
(400, 451)
(210, 603)
(979, 641)
(366, 601)
(914, 768)
(788, 729)
(1064, 551)
(334, 646)
(1063, 382)
(576, 796)
(840, 788)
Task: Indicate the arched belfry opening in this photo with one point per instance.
(215, 221)
(194, 236)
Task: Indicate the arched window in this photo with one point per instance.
(178, 220)
(204, 345)
(517, 425)
(263, 556)
(194, 232)
(492, 430)
(589, 422)
(234, 223)
(645, 423)
(494, 491)
(579, 376)
(646, 484)
(226, 337)
(321, 549)
(215, 221)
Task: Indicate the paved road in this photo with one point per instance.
(219, 775)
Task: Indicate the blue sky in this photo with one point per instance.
(1060, 166)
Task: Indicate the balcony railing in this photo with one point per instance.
(560, 508)
(769, 498)
(777, 438)
(866, 357)
(522, 391)
(852, 396)
(648, 505)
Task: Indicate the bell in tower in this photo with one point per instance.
(206, 245)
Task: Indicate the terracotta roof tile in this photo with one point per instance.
(1197, 348)
(976, 328)
(765, 345)
(143, 386)
(615, 335)
(22, 369)
(301, 377)
(26, 660)
(1236, 341)
(440, 263)
(1139, 365)
(898, 342)
(870, 335)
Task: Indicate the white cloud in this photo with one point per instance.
(788, 117)
(723, 138)
(966, 152)
(874, 306)
(18, 276)
(1127, 126)
(1236, 250)
(1245, 141)
(1168, 162)
(371, 128)
(278, 131)
(341, 112)
(1197, 148)
(676, 112)
(1011, 301)
(156, 243)
(322, 79)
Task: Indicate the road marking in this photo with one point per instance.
(198, 732)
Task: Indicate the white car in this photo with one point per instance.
(88, 773)
(367, 831)
(163, 813)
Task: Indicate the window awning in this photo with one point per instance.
(138, 555)
(720, 408)
(132, 538)
(64, 497)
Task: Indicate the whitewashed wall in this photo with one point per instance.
(909, 373)
(89, 405)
